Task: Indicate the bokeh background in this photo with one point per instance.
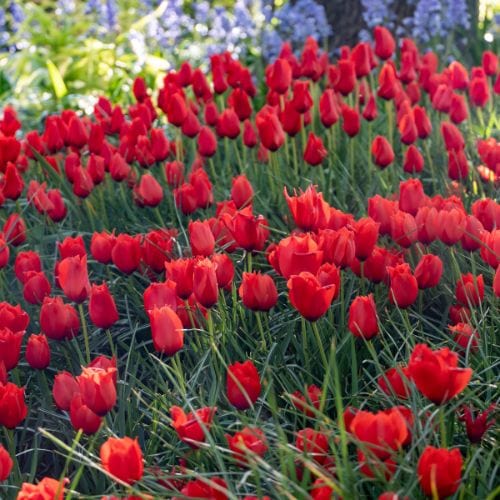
(59, 53)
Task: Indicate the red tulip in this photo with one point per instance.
(148, 192)
(10, 347)
(98, 389)
(247, 443)
(201, 238)
(279, 76)
(382, 152)
(258, 291)
(469, 289)
(363, 320)
(315, 152)
(436, 373)
(205, 287)
(395, 381)
(73, 278)
(477, 425)
(249, 231)
(439, 471)
(207, 142)
(313, 443)
(384, 42)
(224, 270)
(6, 464)
(57, 319)
(243, 384)
(47, 489)
(308, 296)
(122, 457)
(102, 307)
(309, 210)
(101, 245)
(310, 399)
(166, 330)
(38, 352)
(465, 336)
(64, 389)
(126, 253)
(382, 432)
(241, 191)
(429, 271)
(366, 232)
(192, 427)
(404, 287)
(413, 160)
(228, 124)
(269, 127)
(351, 122)
(25, 262)
(214, 488)
(82, 417)
(13, 409)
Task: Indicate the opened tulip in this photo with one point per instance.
(246, 443)
(243, 384)
(192, 427)
(309, 210)
(122, 457)
(296, 254)
(166, 330)
(476, 425)
(440, 471)
(436, 373)
(47, 489)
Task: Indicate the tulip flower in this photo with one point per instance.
(191, 427)
(436, 373)
(247, 442)
(363, 320)
(243, 384)
(439, 471)
(122, 457)
(258, 291)
(6, 464)
(13, 409)
(38, 352)
(166, 330)
(73, 278)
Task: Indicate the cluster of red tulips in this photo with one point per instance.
(337, 272)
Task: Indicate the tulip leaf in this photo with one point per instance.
(56, 79)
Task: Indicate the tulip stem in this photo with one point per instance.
(442, 425)
(85, 332)
(354, 367)
(304, 345)
(261, 330)
(314, 326)
(249, 261)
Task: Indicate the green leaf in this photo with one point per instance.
(58, 84)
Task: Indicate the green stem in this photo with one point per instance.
(85, 332)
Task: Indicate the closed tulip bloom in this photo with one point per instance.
(471, 239)
(469, 289)
(166, 330)
(382, 152)
(36, 287)
(427, 220)
(351, 121)
(73, 278)
(366, 232)
(82, 417)
(249, 231)
(176, 109)
(328, 109)
(309, 210)
(452, 137)
(313, 443)
(395, 381)
(451, 225)
(408, 129)
(490, 248)
(224, 270)
(384, 42)
(181, 272)
(249, 134)
(339, 247)
(64, 389)
(47, 489)
(258, 291)
(13, 409)
(205, 287)
(10, 347)
(411, 196)
(479, 92)
(279, 76)
(308, 296)
(429, 271)
(241, 191)
(310, 399)
(465, 336)
(192, 427)
(371, 111)
(243, 384)
(126, 253)
(201, 238)
(404, 230)
(38, 352)
(246, 443)
(439, 471)
(360, 56)
(98, 389)
(6, 464)
(413, 160)
(382, 433)
(206, 142)
(26, 261)
(458, 166)
(436, 373)
(381, 211)
(102, 307)
(490, 63)
(269, 128)
(458, 109)
(363, 320)
(122, 457)
(228, 124)
(198, 488)
(101, 245)
(148, 192)
(315, 151)
(57, 319)
(404, 287)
